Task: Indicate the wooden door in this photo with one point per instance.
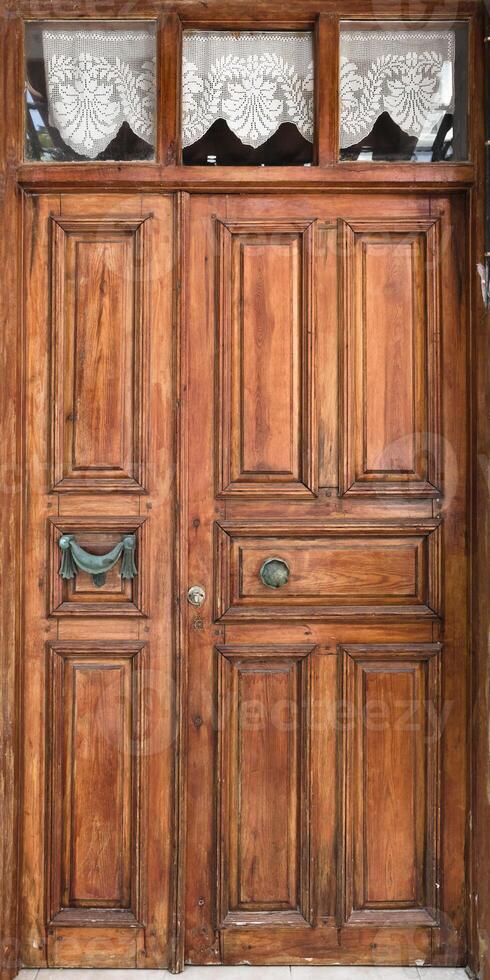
(324, 425)
(97, 858)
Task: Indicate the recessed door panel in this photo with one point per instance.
(265, 392)
(99, 341)
(391, 780)
(263, 797)
(81, 595)
(391, 440)
(339, 568)
(95, 733)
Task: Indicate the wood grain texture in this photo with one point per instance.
(169, 88)
(37, 628)
(479, 883)
(99, 354)
(451, 940)
(439, 193)
(415, 545)
(156, 944)
(266, 434)
(327, 64)
(96, 850)
(336, 568)
(95, 948)
(199, 511)
(79, 596)
(411, 177)
(391, 798)
(391, 439)
(240, 12)
(327, 355)
(359, 945)
(10, 492)
(108, 871)
(264, 737)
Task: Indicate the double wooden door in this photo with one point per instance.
(270, 393)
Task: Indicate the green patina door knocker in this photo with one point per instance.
(74, 559)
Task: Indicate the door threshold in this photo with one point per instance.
(257, 973)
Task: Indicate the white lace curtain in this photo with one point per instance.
(98, 79)
(255, 81)
(408, 74)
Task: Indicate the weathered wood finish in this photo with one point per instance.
(384, 564)
(263, 779)
(391, 780)
(479, 877)
(205, 880)
(99, 266)
(10, 506)
(96, 715)
(79, 596)
(337, 569)
(266, 349)
(98, 662)
(391, 357)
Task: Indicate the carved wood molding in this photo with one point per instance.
(77, 671)
(390, 370)
(326, 583)
(88, 337)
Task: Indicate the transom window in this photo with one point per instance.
(247, 97)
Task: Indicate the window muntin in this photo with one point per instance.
(90, 91)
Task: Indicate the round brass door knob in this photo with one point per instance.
(274, 573)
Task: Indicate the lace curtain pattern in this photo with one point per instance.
(253, 80)
(408, 74)
(98, 79)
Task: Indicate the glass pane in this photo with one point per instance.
(403, 93)
(247, 98)
(90, 92)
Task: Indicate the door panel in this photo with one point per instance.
(79, 596)
(98, 658)
(339, 565)
(313, 403)
(391, 383)
(99, 339)
(336, 837)
(391, 783)
(266, 433)
(263, 693)
(94, 719)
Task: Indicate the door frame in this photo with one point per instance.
(19, 178)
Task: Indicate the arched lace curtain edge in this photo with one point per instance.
(408, 74)
(255, 81)
(95, 81)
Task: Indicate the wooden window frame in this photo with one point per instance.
(323, 17)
